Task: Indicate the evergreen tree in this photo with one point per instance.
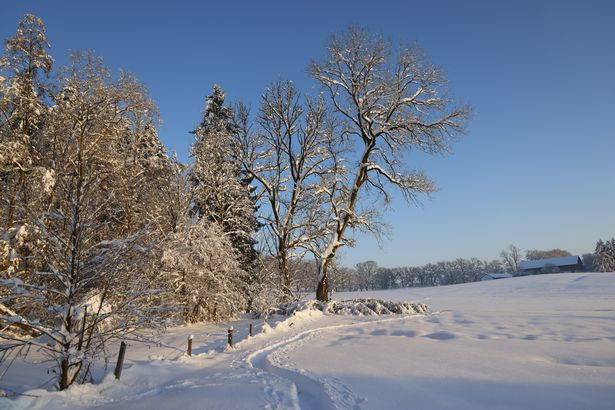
(604, 259)
(22, 113)
(222, 190)
(145, 167)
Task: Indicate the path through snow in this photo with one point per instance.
(305, 390)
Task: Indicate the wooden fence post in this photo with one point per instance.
(120, 361)
(230, 336)
(190, 345)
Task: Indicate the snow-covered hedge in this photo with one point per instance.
(356, 307)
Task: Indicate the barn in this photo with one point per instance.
(552, 265)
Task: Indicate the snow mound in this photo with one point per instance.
(352, 307)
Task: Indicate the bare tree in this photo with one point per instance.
(511, 258)
(366, 271)
(589, 262)
(286, 156)
(388, 104)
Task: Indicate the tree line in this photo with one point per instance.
(368, 275)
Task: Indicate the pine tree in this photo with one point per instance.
(23, 110)
(145, 165)
(26, 174)
(222, 191)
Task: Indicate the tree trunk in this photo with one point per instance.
(284, 272)
(322, 291)
(9, 218)
(64, 368)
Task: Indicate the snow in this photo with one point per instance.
(534, 342)
(48, 181)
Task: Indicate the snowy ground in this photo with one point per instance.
(540, 342)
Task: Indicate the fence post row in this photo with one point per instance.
(120, 358)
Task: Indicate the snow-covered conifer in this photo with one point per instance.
(222, 191)
(604, 257)
(23, 110)
(144, 168)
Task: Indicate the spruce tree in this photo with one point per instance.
(23, 110)
(604, 257)
(222, 190)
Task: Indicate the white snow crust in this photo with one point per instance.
(535, 342)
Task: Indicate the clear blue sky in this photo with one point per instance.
(537, 167)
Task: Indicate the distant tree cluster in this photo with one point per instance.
(535, 254)
(369, 276)
(436, 274)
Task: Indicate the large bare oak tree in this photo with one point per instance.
(389, 102)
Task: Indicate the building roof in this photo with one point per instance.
(541, 263)
(497, 275)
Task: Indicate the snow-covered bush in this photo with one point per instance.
(56, 308)
(354, 307)
(202, 268)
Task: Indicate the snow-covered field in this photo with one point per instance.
(539, 342)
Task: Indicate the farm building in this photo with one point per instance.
(561, 264)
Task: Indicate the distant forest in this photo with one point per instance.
(369, 276)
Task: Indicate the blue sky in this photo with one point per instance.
(536, 167)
